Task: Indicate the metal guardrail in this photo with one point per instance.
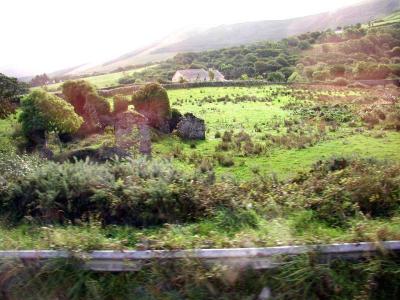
(255, 258)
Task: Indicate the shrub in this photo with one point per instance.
(223, 146)
(276, 77)
(304, 45)
(321, 75)
(340, 81)
(341, 188)
(176, 117)
(7, 108)
(357, 85)
(296, 77)
(227, 136)
(135, 192)
(13, 167)
(152, 101)
(225, 161)
(87, 103)
(337, 70)
(10, 93)
(127, 80)
(45, 112)
(121, 104)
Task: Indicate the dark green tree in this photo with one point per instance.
(11, 91)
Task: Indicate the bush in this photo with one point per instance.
(340, 81)
(127, 80)
(296, 77)
(13, 167)
(357, 85)
(45, 112)
(343, 188)
(152, 101)
(276, 77)
(134, 192)
(321, 75)
(87, 103)
(176, 117)
(225, 160)
(10, 93)
(121, 104)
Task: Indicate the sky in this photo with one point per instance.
(46, 35)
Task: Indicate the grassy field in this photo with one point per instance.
(259, 117)
(105, 80)
(216, 193)
(293, 128)
(388, 20)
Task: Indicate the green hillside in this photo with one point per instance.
(391, 19)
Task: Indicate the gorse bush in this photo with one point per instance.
(146, 193)
(135, 192)
(14, 166)
(340, 189)
(121, 104)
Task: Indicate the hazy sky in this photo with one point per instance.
(47, 35)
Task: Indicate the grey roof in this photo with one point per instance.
(194, 73)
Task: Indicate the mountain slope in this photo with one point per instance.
(231, 35)
(250, 32)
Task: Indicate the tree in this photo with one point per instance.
(260, 67)
(11, 91)
(276, 77)
(337, 70)
(244, 77)
(296, 77)
(321, 75)
(292, 41)
(43, 112)
(40, 80)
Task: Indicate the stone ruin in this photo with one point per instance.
(191, 128)
(132, 129)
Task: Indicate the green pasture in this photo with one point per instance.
(247, 116)
(105, 80)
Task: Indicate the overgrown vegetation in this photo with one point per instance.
(11, 91)
(336, 56)
(302, 277)
(216, 193)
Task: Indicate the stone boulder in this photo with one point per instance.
(191, 128)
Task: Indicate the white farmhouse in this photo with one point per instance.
(197, 75)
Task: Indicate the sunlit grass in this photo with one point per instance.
(103, 81)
